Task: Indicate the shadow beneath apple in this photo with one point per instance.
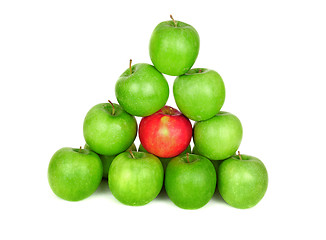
(162, 195)
(217, 197)
(103, 188)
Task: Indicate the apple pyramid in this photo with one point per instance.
(164, 159)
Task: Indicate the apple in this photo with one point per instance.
(74, 174)
(165, 161)
(190, 181)
(107, 160)
(135, 178)
(166, 133)
(174, 47)
(216, 163)
(108, 129)
(243, 181)
(142, 149)
(142, 90)
(199, 93)
(219, 137)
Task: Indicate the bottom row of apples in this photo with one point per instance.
(136, 178)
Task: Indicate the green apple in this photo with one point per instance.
(216, 163)
(107, 160)
(174, 47)
(219, 137)
(142, 90)
(164, 161)
(135, 178)
(74, 174)
(142, 149)
(108, 129)
(199, 93)
(190, 181)
(243, 181)
(132, 148)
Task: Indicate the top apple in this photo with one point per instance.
(174, 47)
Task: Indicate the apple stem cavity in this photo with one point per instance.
(130, 61)
(175, 24)
(239, 155)
(113, 109)
(133, 156)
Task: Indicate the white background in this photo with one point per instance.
(59, 58)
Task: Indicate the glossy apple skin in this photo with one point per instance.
(219, 137)
(74, 174)
(190, 185)
(109, 134)
(242, 183)
(107, 160)
(166, 134)
(138, 181)
(199, 93)
(143, 92)
(165, 161)
(173, 50)
(216, 163)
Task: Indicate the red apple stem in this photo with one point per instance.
(113, 109)
(133, 156)
(187, 157)
(130, 61)
(239, 155)
(175, 24)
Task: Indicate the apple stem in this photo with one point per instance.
(130, 61)
(80, 148)
(113, 109)
(187, 157)
(133, 156)
(239, 155)
(199, 71)
(175, 24)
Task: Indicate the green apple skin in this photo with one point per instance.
(219, 137)
(107, 160)
(132, 148)
(143, 92)
(242, 183)
(142, 149)
(107, 133)
(174, 49)
(216, 163)
(136, 181)
(190, 185)
(74, 174)
(164, 161)
(199, 93)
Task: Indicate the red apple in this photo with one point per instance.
(166, 133)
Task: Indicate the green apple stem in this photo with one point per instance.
(239, 155)
(133, 156)
(187, 157)
(130, 66)
(175, 24)
(113, 109)
(199, 71)
(80, 149)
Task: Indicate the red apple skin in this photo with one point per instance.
(166, 133)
